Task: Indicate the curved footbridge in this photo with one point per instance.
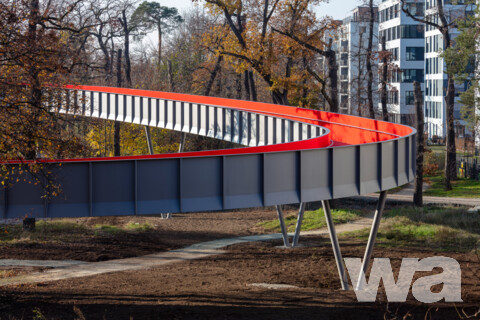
(290, 155)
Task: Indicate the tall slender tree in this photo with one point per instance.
(444, 22)
(418, 189)
(152, 15)
(370, 56)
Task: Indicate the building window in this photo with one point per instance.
(415, 53)
(416, 9)
(393, 54)
(433, 109)
(412, 31)
(392, 97)
(410, 97)
(410, 75)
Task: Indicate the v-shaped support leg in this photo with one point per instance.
(336, 247)
(286, 243)
(298, 227)
(149, 139)
(371, 239)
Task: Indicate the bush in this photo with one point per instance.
(430, 163)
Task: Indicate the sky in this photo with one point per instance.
(338, 9)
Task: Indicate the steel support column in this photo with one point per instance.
(149, 139)
(283, 227)
(372, 238)
(298, 227)
(182, 142)
(336, 247)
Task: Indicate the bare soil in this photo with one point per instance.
(168, 234)
(220, 287)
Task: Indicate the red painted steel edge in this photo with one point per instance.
(344, 129)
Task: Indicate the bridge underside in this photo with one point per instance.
(291, 155)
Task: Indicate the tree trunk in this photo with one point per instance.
(36, 94)
(279, 97)
(443, 25)
(238, 83)
(159, 28)
(418, 193)
(332, 80)
(171, 82)
(116, 130)
(29, 224)
(371, 109)
(383, 97)
(247, 85)
(106, 55)
(451, 156)
(451, 153)
(253, 89)
(213, 75)
(127, 50)
(359, 76)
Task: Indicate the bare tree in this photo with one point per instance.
(444, 25)
(371, 109)
(116, 130)
(384, 76)
(330, 81)
(418, 193)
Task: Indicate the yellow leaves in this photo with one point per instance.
(132, 140)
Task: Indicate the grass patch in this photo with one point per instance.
(397, 189)
(461, 188)
(438, 149)
(45, 230)
(312, 220)
(107, 229)
(442, 229)
(63, 230)
(140, 226)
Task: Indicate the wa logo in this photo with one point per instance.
(397, 291)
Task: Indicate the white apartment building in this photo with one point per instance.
(435, 77)
(405, 40)
(351, 49)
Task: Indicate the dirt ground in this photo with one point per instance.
(183, 230)
(221, 287)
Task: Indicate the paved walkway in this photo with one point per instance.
(405, 195)
(75, 269)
